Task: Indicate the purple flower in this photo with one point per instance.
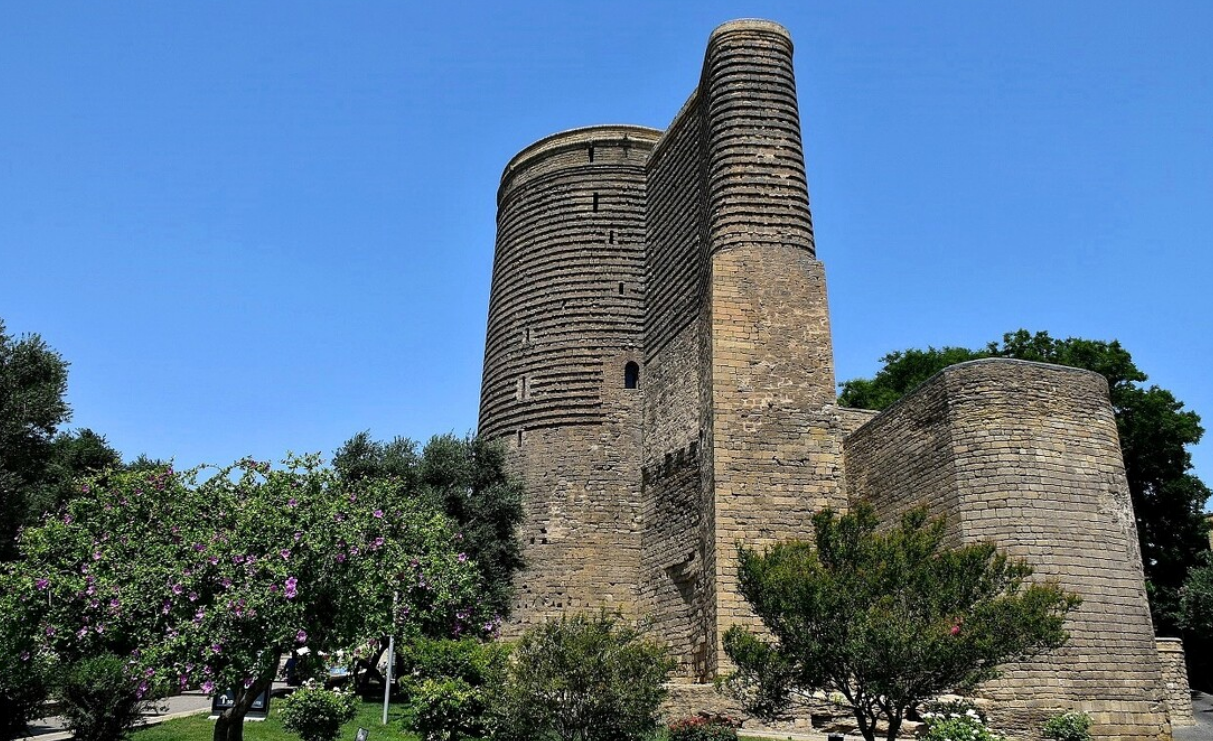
(42, 584)
(115, 604)
(248, 682)
(214, 560)
(298, 535)
(201, 613)
(226, 582)
(84, 488)
(216, 648)
(193, 596)
(141, 691)
(67, 519)
(340, 558)
(199, 547)
(96, 555)
(378, 513)
(285, 553)
(208, 687)
(50, 630)
(100, 627)
(293, 502)
(463, 557)
(274, 588)
(165, 607)
(379, 542)
(291, 584)
(301, 636)
(177, 589)
(25, 655)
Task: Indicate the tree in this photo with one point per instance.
(1155, 432)
(1196, 619)
(208, 582)
(582, 678)
(886, 620)
(33, 380)
(466, 478)
(39, 464)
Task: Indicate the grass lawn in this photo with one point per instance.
(199, 728)
(370, 717)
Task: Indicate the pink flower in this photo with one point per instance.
(177, 589)
(291, 584)
(463, 557)
(42, 584)
(378, 513)
(301, 636)
(285, 553)
(208, 687)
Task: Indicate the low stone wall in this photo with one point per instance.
(1177, 696)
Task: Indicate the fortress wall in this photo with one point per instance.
(565, 316)
(676, 572)
(1027, 456)
(776, 445)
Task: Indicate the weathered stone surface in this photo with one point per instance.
(1176, 693)
(690, 252)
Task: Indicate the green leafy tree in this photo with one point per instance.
(467, 479)
(33, 381)
(208, 582)
(1196, 619)
(1155, 434)
(24, 672)
(581, 678)
(885, 619)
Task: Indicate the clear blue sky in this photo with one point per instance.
(261, 227)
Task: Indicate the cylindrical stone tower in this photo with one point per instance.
(562, 362)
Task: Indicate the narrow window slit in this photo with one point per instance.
(631, 375)
(595, 202)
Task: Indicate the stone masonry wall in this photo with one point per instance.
(1176, 693)
(565, 317)
(676, 552)
(776, 448)
(1026, 455)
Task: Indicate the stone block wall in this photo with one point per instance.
(566, 316)
(1176, 693)
(1026, 456)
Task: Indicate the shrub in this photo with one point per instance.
(704, 728)
(100, 701)
(446, 681)
(1068, 727)
(581, 679)
(23, 669)
(316, 714)
(958, 728)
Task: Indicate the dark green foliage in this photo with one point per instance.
(23, 671)
(100, 702)
(33, 381)
(704, 728)
(1196, 619)
(1155, 432)
(583, 678)
(885, 619)
(447, 683)
(466, 477)
(1068, 727)
(317, 714)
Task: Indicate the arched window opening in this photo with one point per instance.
(631, 376)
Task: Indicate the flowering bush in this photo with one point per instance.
(705, 728)
(317, 714)
(206, 583)
(956, 720)
(1068, 727)
(23, 670)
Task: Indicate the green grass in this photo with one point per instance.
(199, 728)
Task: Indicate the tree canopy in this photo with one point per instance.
(464, 477)
(1155, 432)
(39, 462)
(885, 620)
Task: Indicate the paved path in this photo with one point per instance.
(1202, 710)
(177, 706)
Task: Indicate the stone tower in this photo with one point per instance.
(659, 362)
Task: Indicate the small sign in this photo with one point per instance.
(259, 710)
(362, 735)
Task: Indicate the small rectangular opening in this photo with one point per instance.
(591, 153)
(595, 202)
(611, 238)
(621, 288)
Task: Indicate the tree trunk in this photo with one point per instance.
(230, 724)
